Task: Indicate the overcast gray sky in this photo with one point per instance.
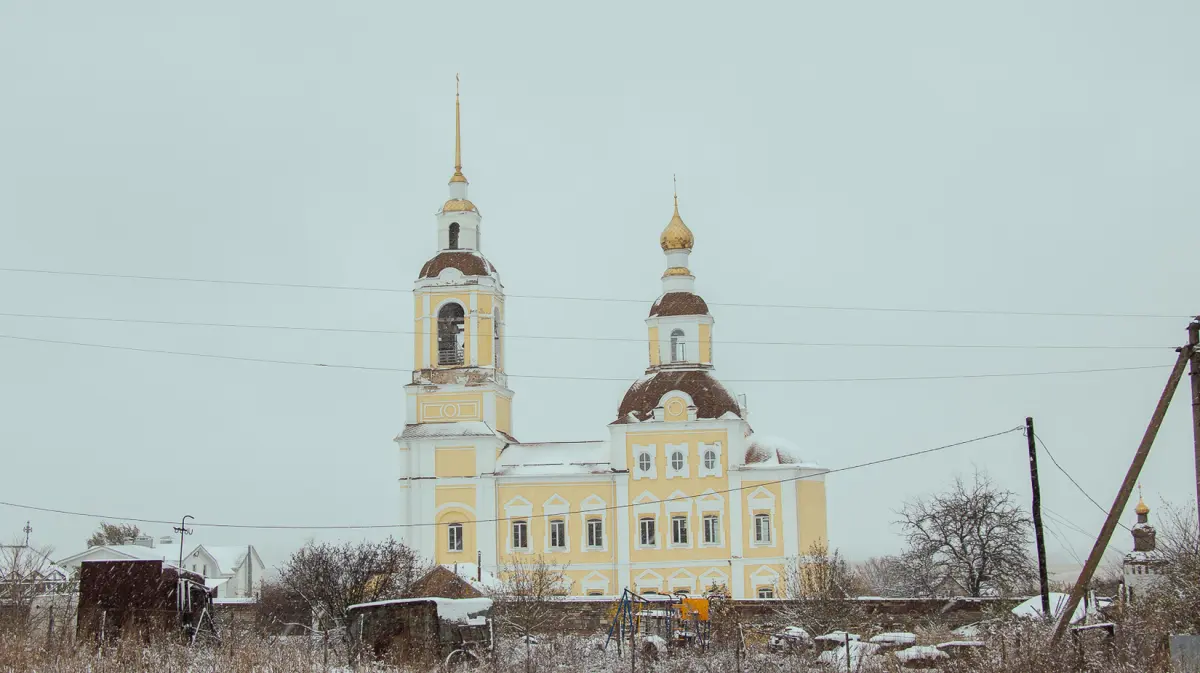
(1027, 156)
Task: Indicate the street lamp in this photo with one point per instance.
(182, 529)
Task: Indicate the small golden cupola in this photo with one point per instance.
(458, 202)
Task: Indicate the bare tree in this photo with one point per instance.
(329, 578)
(819, 586)
(27, 572)
(973, 536)
(113, 533)
(883, 576)
(527, 601)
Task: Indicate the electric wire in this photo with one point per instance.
(551, 377)
(591, 510)
(813, 307)
(1072, 479)
(723, 342)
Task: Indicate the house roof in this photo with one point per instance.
(135, 552)
(455, 429)
(554, 458)
(711, 398)
(228, 558)
(468, 262)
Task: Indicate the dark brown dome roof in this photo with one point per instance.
(710, 397)
(469, 263)
(679, 303)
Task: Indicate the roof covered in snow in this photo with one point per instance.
(1032, 608)
(771, 450)
(553, 458)
(711, 398)
(117, 552)
(455, 429)
(448, 609)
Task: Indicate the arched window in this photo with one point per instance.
(454, 235)
(496, 338)
(710, 459)
(644, 462)
(450, 334)
(678, 353)
(677, 461)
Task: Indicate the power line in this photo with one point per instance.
(1068, 475)
(723, 342)
(810, 307)
(593, 510)
(859, 379)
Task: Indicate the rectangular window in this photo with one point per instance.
(205, 573)
(646, 528)
(679, 530)
(558, 534)
(766, 592)
(595, 533)
(520, 535)
(762, 528)
(712, 529)
(455, 537)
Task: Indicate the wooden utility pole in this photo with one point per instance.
(1038, 534)
(1131, 477)
(1194, 343)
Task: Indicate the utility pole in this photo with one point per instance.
(1122, 499)
(182, 529)
(29, 529)
(1194, 341)
(1039, 536)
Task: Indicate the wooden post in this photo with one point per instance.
(1039, 535)
(1194, 342)
(1122, 499)
(50, 629)
(849, 669)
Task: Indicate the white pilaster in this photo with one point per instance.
(789, 518)
(485, 508)
(623, 539)
(473, 347)
(737, 575)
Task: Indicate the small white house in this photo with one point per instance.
(235, 571)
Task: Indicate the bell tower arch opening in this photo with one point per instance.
(450, 322)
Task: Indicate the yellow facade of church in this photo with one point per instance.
(681, 496)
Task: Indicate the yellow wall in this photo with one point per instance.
(705, 343)
(454, 462)
(485, 342)
(752, 583)
(447, 407)
(418, 333)
(811, 516)
(654, 347)
(458, 499)
(662, 488)
(749, 552)
(574, 493)
(504, 414)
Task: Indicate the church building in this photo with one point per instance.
(681, 496)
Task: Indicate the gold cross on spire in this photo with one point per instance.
(458, 174)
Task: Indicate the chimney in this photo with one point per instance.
(144, 541)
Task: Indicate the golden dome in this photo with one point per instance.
(458, 206)
(677, 271)
(676, 236)
(1141, 508)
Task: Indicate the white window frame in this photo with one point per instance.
(706, 518)
(454, 533)
(677, 528)
(760, 502)
(647, 580)
(652, 451)
(650, 508)
(679, 504)
(763, 528)
(765, 576)
(595, 581)
(590, 542)
(555, 508)
(685, 471)
(514, 510)
(642, 543)
(558, 525)
(682, 580)
(759, 591)
(704, 470)
(677, 345)
(593, 508)
(523, 525)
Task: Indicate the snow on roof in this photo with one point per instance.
(211, 582)
(771, 450)
(469, 572)
(554, 458)
(839, 636)
(448, 609)
(455, 429)
(117, 552)
(896, 638)
(961, 643)
(921, 653)
(1032, 608)
(227, 558)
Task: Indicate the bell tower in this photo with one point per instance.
(458, 354)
